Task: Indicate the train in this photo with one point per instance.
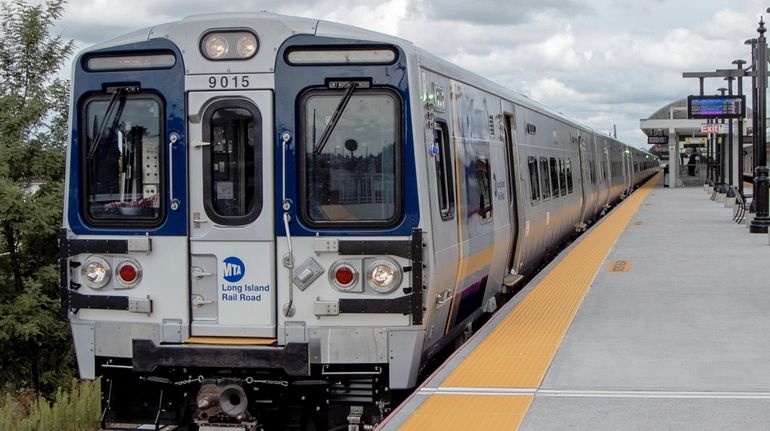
(270, 219)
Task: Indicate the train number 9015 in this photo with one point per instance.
(233, 81)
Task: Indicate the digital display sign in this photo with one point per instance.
(716, 106)
(657, 140)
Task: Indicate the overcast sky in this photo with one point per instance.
(601, 62)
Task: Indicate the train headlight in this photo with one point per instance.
(247, 45)
(229, 45)
(215, 46)
(384, 275)
(96, 272)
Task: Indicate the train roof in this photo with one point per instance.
(300, 25)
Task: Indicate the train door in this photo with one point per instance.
(588, 180)
(232, 243)
(512, 156)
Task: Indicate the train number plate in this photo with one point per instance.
(225, 82)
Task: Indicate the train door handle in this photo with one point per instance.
(173, 139)
(444, 297)
(197, 220)
(199, 273)
(199, 301)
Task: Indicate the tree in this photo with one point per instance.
(34, 344)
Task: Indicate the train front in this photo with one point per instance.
(241, 244)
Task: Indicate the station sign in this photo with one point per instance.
(716, 106)
(719, 129)
(657, 140)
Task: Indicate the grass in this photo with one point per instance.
(72, 409)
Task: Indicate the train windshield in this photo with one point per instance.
(122, 158)
(354, 176)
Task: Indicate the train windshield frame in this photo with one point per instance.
(355, 179)
(123, 159)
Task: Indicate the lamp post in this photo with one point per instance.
(729, 148)
(761, 221)
(753, 44)
(739, 64)
(720, 148)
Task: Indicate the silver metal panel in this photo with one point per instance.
(306, 273)
(115, 339)
(140, 244)
(83, 338)
(404, 349)
(348, 345)
(294, 332)
(172, 331)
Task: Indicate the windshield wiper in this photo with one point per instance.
(350, 87)
(119, 93)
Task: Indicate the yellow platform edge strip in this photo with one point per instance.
(462, 412)
(518, 352)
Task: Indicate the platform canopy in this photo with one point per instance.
(673, 117)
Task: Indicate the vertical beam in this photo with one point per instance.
(761, 221)
(673, 158)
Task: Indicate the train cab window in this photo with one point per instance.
(554, 175)
(568, 171)
(483, 184)
(232, 163)
(545, 185)
(122, 157)
(350, 164)
(562, 177)
(534, 181)
(444, 178)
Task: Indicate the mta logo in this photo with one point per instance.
(234, 269)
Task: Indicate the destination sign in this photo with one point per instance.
(716, 106)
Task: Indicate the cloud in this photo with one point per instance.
(601, 62)
(494, 12)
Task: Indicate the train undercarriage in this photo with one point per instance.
(209, 399)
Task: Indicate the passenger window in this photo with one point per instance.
(554, 174)
(444, 171)
(568, 169)
(591, 172)
(562, 177)
(231, 163)
(534, 181)
(483, 188)
(545, 185)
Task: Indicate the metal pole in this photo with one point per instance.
(721, 153)
(761, 221)
(729, 147)
(739, 64)
(754, 104)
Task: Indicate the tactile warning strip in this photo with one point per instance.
(451, 412)
(518, 352)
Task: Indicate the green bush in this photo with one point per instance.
(73, 409)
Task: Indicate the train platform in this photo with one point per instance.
(657, 318)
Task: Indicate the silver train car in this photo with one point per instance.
(269, 217)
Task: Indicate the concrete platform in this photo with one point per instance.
(679, 341)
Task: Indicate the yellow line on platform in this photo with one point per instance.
(447, 412)
(518, 352)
